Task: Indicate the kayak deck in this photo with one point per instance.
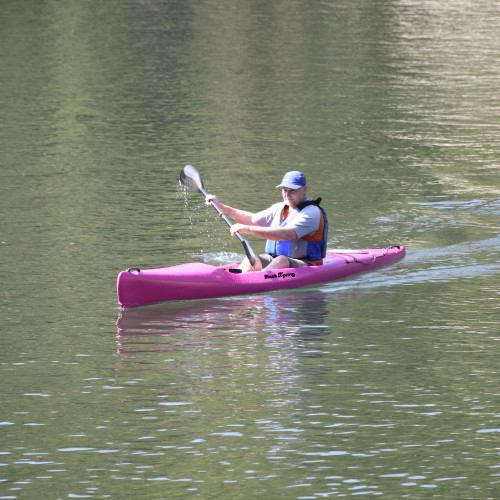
(197, 280)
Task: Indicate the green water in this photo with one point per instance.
(384, 384)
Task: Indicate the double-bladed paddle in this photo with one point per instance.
(191, 179)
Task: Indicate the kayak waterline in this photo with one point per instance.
(196, 280)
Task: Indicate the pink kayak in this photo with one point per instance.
(196, 280)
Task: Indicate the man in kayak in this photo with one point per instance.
(296, 229)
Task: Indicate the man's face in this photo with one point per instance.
(294, 197)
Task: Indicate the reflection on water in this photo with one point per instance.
(227, 368)
(273, 313)
(256, 338)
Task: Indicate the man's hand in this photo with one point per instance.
(211, 197)
(239, 228)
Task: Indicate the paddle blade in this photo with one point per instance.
(191, 179)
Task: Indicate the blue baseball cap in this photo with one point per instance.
(293, 180)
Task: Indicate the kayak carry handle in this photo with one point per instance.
(132, 269)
